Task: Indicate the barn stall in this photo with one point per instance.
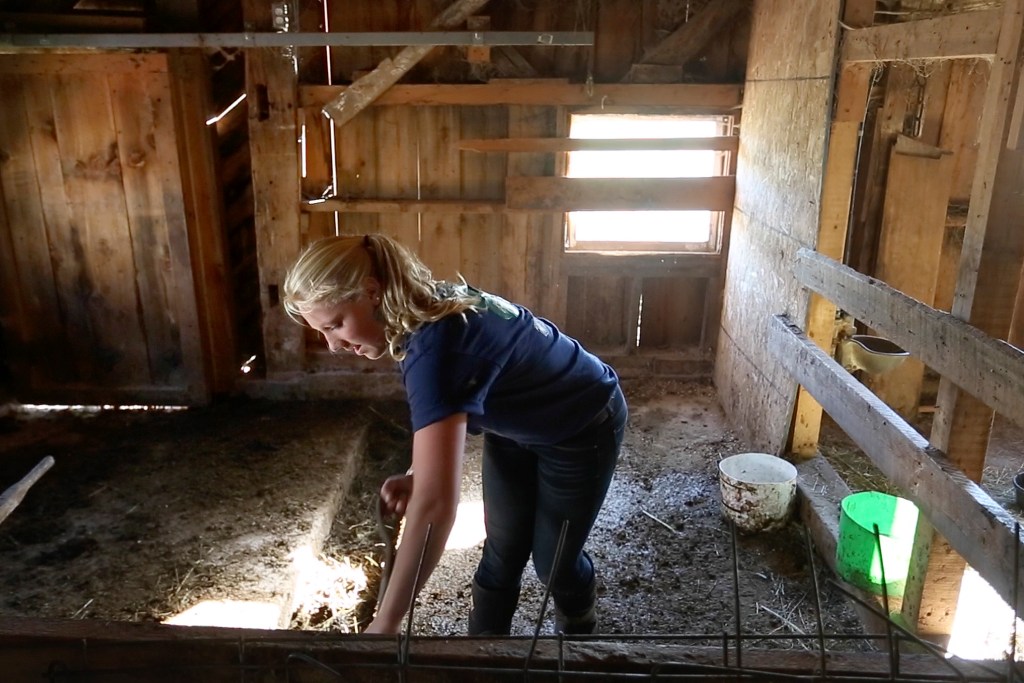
(863, 183)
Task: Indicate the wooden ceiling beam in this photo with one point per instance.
(713, 98)
(954, 36)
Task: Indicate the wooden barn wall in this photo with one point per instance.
(785, 119)
(99, 301)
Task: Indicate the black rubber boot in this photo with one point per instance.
(492, 611)
(577, 616)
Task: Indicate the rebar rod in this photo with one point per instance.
(894, 658)
(404, 657)
(736, 595)
(817, 602)
(1012, 664)
(547, 594)
(933, 649)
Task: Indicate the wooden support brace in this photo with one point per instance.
(364, 91)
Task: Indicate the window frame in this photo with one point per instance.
(724, 162)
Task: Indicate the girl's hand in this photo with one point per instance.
(395, 492)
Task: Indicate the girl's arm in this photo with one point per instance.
(437, 451)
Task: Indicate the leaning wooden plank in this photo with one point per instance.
(987, 368)
(689, 97)
(955, 36)
(13, 496)
(727, 143)
(364, 91)
(976, 526)
(619, 194)
(910, 248)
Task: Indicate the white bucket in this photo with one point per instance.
(758, 490)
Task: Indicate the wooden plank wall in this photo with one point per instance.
(779, 170)
(96, 232)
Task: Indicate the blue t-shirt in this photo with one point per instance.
(513, 374)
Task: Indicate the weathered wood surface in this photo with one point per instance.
(852, 89)
(154, 652)
(12, 497)
(99, 230)
(271, 88)
(967, 35)
(619, 194)
(976, 526)
(910, 249)
(688, 97)
(987, 368)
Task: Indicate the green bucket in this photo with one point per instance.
(857, 552)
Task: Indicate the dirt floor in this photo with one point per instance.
(147, 515)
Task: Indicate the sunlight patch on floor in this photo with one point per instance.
(229, 614)
(984, 622)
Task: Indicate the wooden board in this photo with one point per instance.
(483, 177)
(778, 191)
(271, 88)
(99, 234)
(546, 92)
(967, 35)
(910, 249)
(596, 311)
(561, 194)
(672, 315)
(440, 164)
(790, 40)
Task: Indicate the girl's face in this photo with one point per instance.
(352, 325)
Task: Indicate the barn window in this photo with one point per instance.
(683, 147)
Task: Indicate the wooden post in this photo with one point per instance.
(272, 90)
(833, 219)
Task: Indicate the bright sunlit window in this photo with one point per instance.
(645, 230)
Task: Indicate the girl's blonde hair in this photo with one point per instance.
(334, 269)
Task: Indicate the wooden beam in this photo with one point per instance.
(954, 36)
(910, 248)
(977, 527)
(987, 368)
(364, 205)
(642, 265)
(724, 143)
(687, 41)
(619, 194)
(695, 98)
(271, 86)
(365, 90)
(156, 652)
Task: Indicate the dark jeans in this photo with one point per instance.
(530, 491)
